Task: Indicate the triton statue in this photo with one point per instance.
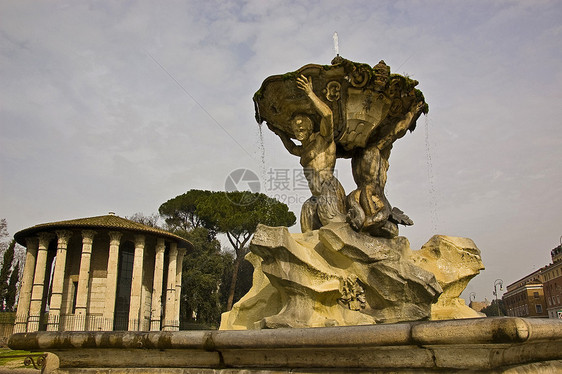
(318, 158)
(352, 111)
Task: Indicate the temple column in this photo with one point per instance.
(22, 313)
(179, 268)
(83, 280)
(111, 281)
(36, 302)
(156, 304)
(58, 281)
(170, 308)
(136, 285)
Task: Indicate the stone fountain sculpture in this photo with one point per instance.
(349, 266)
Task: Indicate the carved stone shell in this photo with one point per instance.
(362, 99)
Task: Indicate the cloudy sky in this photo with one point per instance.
(120, 106)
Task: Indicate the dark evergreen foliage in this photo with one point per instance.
(236, 214)
(492, 309)
(201, 276)
(5, 272)
(10, 298)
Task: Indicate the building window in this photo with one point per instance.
(536, 295)
(538, 308)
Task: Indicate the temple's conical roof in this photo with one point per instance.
(109, 221)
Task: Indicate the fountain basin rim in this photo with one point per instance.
(496, 330)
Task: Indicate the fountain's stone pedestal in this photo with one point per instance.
(485, 345)
(335, 276)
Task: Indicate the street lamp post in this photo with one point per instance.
(471, 298)
(497, 282)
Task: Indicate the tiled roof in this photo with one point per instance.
(110, 221)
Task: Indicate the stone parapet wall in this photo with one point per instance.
(499, 345)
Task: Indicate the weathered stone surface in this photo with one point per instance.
(329, 277)
(487, 345)
(261, 301)
(338, 277)
(348, 110)
(454, 261)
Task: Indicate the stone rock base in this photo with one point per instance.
(335, 276)
(485, 345)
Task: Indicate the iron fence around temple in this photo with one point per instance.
(7, 320)
(73, 322)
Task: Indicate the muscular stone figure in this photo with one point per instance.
(370, 210)
(317, 154)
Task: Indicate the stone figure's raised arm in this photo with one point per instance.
(327, 123)
(286, 139)
(402, 126)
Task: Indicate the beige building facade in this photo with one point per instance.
(100, 273)
(539, 293)
(525, 297)
(553, 284)
(526, 300)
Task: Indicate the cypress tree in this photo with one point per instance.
(12, 288)
(5, 272)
